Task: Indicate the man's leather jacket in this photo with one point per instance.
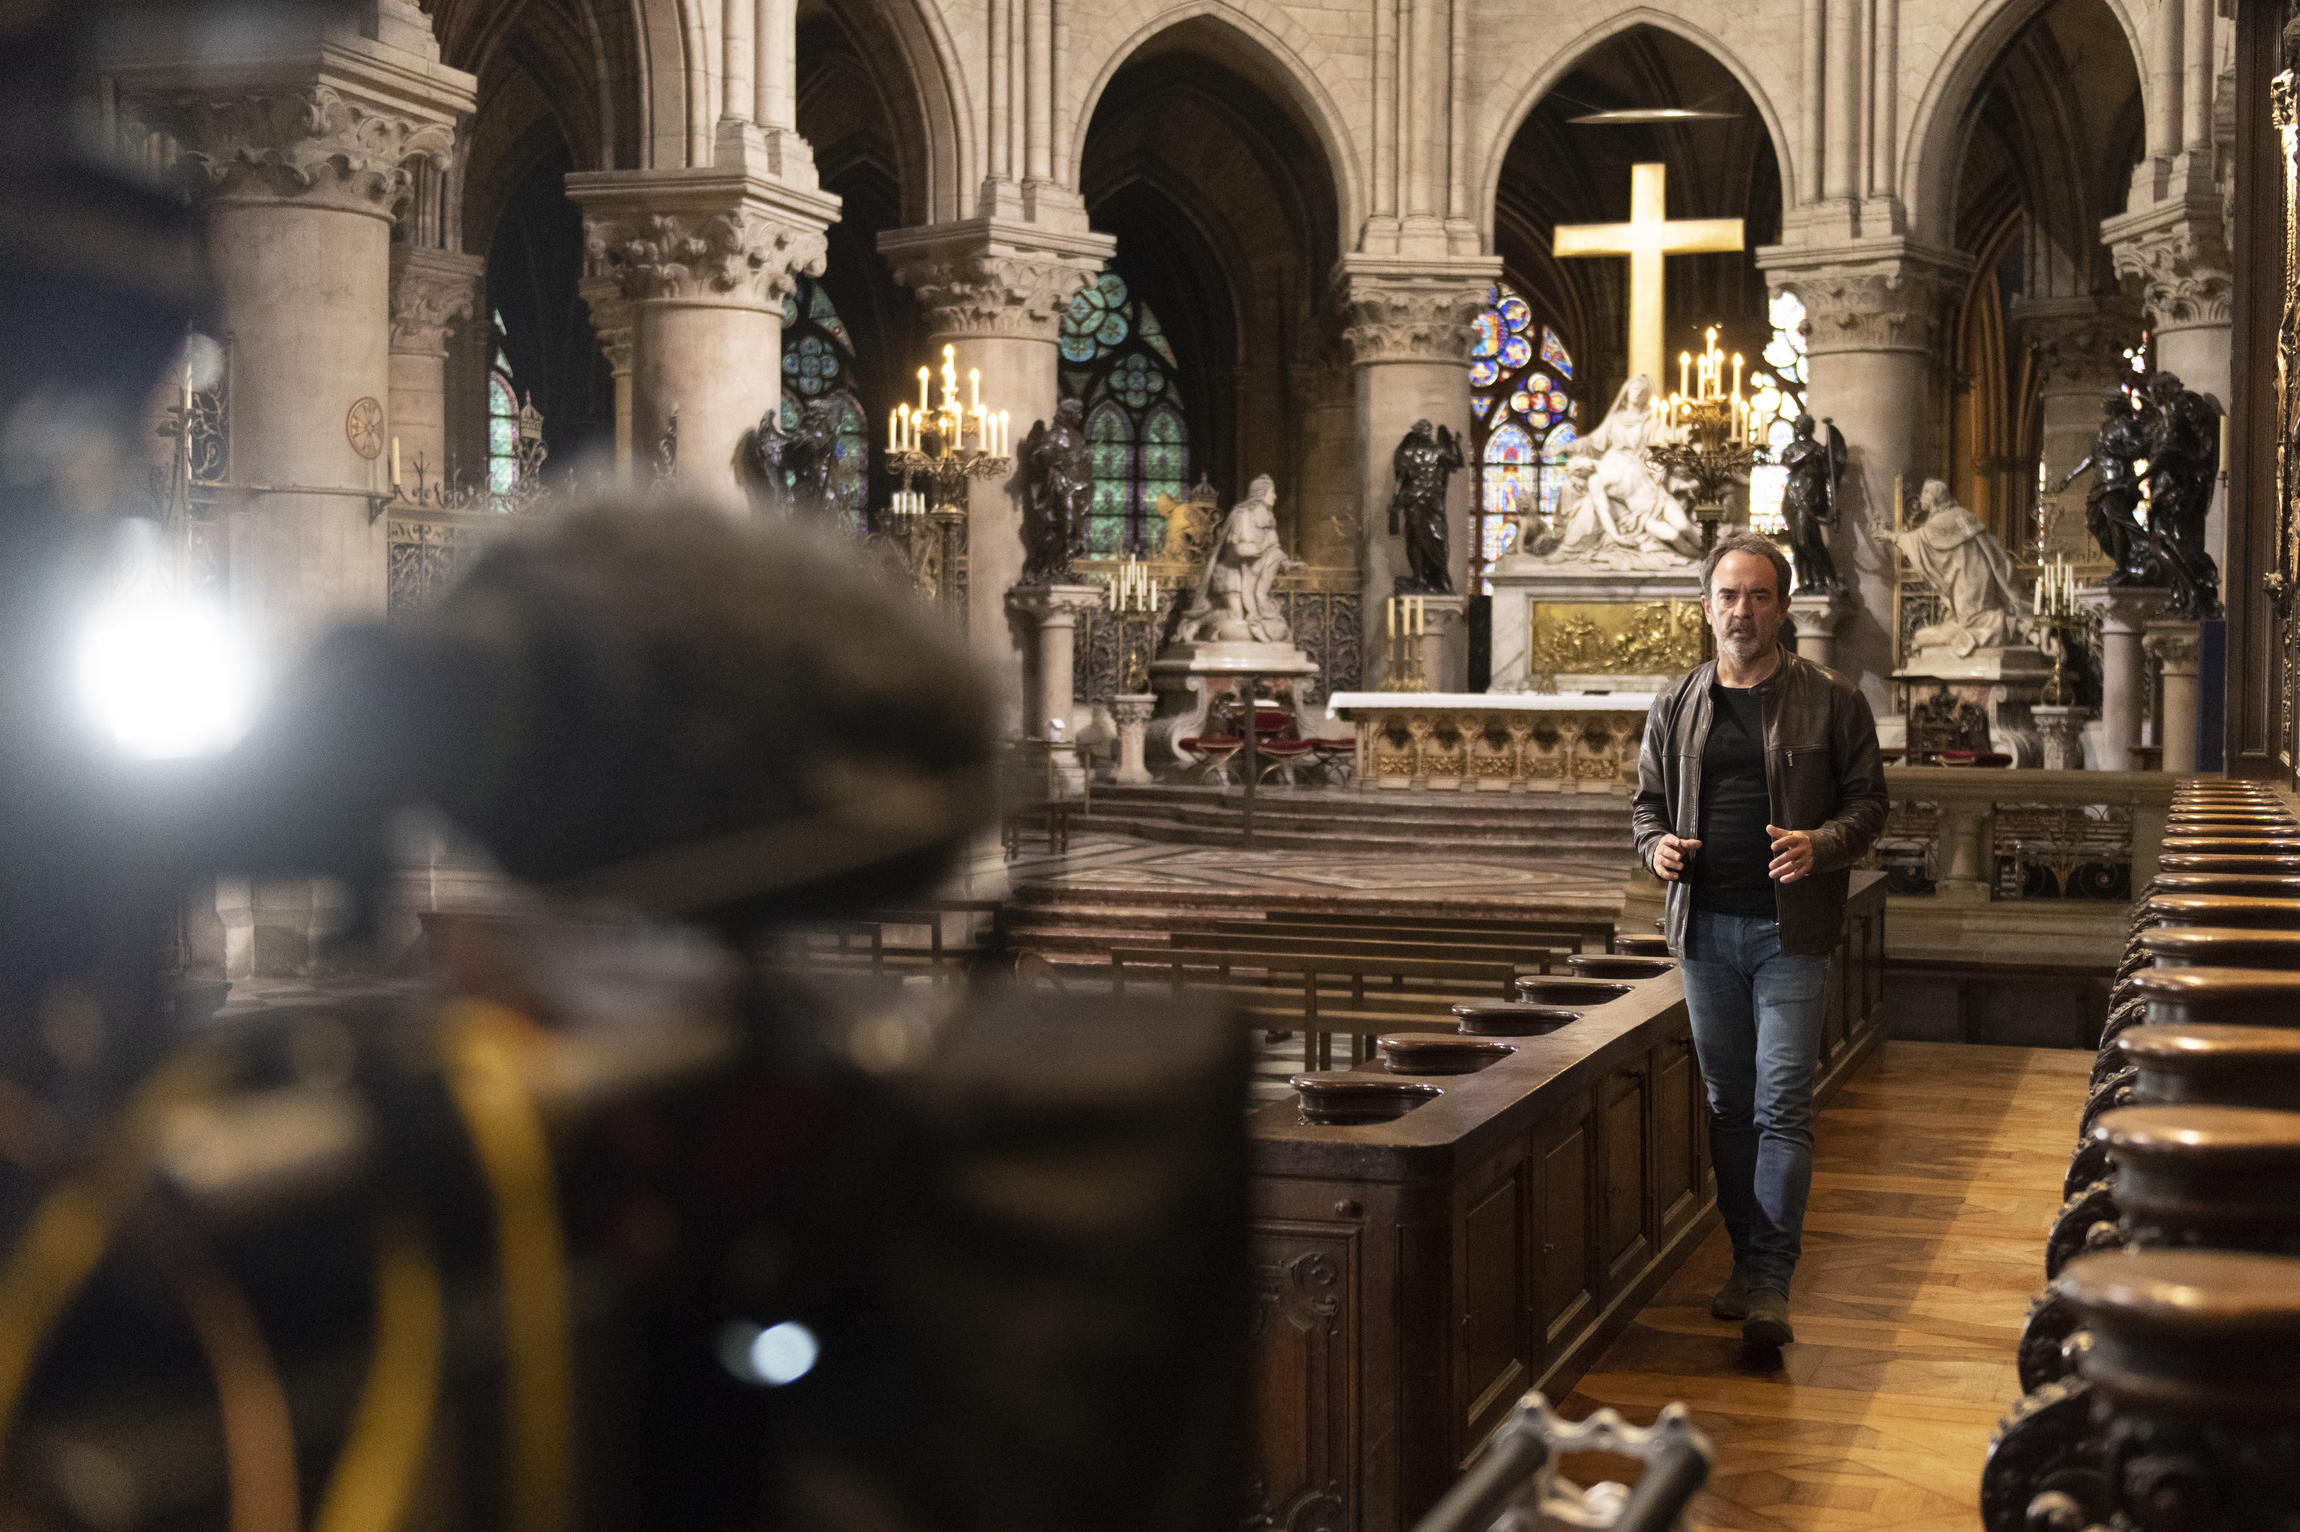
(1822, 774)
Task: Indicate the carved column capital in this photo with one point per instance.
(2078, 343)
(2173, 644)
(430, 291)
(1869, 310)
(610, 321)
(2177, 254)
(993, 277)
(1399, 311)
(307, 112)
(304, 142)
(726, 235)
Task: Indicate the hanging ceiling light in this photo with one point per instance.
(1651, 114)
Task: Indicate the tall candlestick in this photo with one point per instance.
(922, 390)
(395, 462)
(1736, 377)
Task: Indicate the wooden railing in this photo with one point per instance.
(1417, 1276)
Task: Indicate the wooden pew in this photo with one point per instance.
(2163, 1324)
(1319, 993)
(1593, 933)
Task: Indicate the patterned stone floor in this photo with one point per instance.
(1936, 1172)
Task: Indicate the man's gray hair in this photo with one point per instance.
(1743, 541)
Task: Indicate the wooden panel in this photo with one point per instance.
(1494, 1357)
(1567, 1295)
(1676, 1167)
(1306, 1280)
(1626, 1191)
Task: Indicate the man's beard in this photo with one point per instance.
(1744, 645)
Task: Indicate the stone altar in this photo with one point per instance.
(1484, 742)
(1565, 629)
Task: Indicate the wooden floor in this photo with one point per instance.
(1935, 1174)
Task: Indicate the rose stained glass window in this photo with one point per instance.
(1118, 362)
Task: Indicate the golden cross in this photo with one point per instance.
(1645, 239)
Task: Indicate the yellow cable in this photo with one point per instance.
(483, 1047)
(259, 1430)
(76, 1222)
(375, 1475)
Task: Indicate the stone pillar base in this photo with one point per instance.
(1817, 617)
(1051, 612)
(1131, 711)
(2124, 613)
(2175, 644)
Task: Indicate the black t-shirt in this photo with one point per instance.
(1729, 876)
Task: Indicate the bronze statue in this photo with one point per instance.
(799, 471)
(1058, 472)
(2112, 506)
(1425, 459)
(1816, 466)
(2183, 467)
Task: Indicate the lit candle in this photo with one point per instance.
(1684, 368)
(949, 376)
(1736, 377)
(395, 462)
(1390, 613)
(922, 390)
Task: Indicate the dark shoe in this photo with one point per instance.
(1732, 1300)
(1768, 1321)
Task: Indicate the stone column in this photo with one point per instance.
(611, 322)
(1818, 618)
(2124, 614)
(2177, 252)
(703, 258)
(1965, 868)
(1871, 326)
(1051, 613)
(1131, 711)
(431, 289)
(303, 146)
(1406, 327)
(2174, 642)
(996, 290)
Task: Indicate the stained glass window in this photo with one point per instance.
(502, 419)
(1117, 361)
(819, 364)
(1777, 397)
(1521, 394)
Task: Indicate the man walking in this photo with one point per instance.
(1758, 787)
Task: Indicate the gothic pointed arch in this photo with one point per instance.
(1225, 213)
(1940, 127)
(1555, 171)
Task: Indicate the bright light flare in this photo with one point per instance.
(164, 677)
(770, 1357)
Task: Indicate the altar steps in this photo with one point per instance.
(1578, 826)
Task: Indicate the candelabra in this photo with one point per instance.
(1408, 618)
(1713, 433)
(1134, 607)
(930, 444)
(2054, 604)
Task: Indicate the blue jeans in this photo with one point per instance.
(1756, 1017)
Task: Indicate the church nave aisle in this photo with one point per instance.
(1936, 1172)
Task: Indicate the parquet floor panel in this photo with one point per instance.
(1935, 1174)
